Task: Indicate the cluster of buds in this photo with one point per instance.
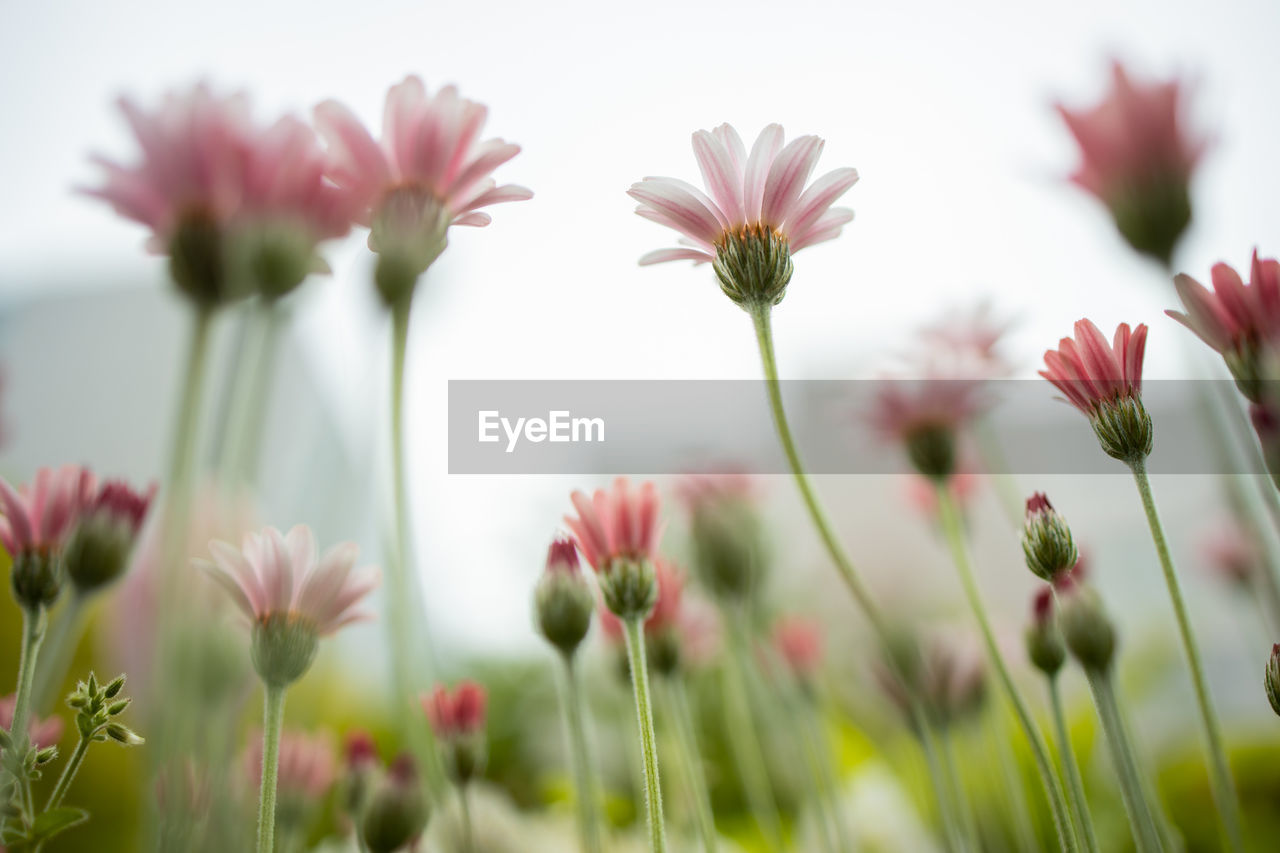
(96, 708)
(1046, 647)
(457, 719)
(730, 553)
(1046, 540)
(563, 599)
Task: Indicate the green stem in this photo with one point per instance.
(468, 831)
(272, 724)
(59, 649)
(827, 780)
(1224, 793)
(68, 774)
(252, 382)
(1145, 834)
(586, 793)
(401, 636)
(1075, 786)
(947, 758)
(953, 529)
(686, 741)
(941, 789)
(761, 315)
(744, 739)
(648, 741)
(33, 625)
(1012, 777)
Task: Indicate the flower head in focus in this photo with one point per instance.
(103, 538)
(1137, 157)
(617, 532)
(1047, 544)
(35, 521)
(1239, 321)
(290, 596)
(1104, 381)
(457, 718)
(759, 211)
(429, 171)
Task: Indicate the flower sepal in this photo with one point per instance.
(36, 578)
(629, 587)
(1123, 428)
(284, 645)
(753, 265)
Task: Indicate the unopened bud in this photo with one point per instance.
(563, 599)
(1086, 627)
(1046, 540)
(396, 812)
(1272, 680)
(1045, 645)
(730, 554)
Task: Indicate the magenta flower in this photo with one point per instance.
(1137, 157)
(307, 768)
(1241, 322)
(620, 524)
(1090, 372)
(279, 575)
(430, 170)
(456, 714)
(758, 214)
(38, 517)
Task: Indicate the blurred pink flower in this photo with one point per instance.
(429, 145)
(922, 494)
(697, 491)
(307, 767)
(1042, 605)
(1135, 137)
(117, 501)
(456, 714)
(562, 556)
(46, 732)
(964, 344)
(359, 750)
(616, 524)
(1230, 552)
(799, 642)
(904, 407)
(1089, 371)
(275, 574)
(38, 517)
(762, 191)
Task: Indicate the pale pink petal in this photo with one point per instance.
(787, 177)
(756, 172)
(659, 256)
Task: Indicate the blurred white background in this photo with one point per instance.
(944, 108)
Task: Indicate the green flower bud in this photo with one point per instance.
(1088, 631)
(563, 600)
(730, 553)
(1045, 645)
(1123, 428)
(1046, 540)
(36, 578)
(396, 811)
(629, 587)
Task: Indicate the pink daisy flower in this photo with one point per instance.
(38, 517)
(456, 714)
(619, 524)
(1137, 157)
(274, 575)
(1239, 321)
(1090, 372)
(429, 171)
(763, 190)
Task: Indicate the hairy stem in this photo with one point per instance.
(634, 626)
(695, 783)
(272, 724)
(1224, 792)
(68, 774)
(1145, 834)
(65, 629)
(954, 531)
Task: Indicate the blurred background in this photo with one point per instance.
(945, 109)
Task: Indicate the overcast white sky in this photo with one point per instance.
(944, 108)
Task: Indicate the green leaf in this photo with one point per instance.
(55, 821)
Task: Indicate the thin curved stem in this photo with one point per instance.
(272, 723)
(585, 790)
(33, 625)
(468, 829)
(941, 788)
(1224, 793)
(246, 420)
(954, 531)
(1145, 834)
(1025, 833)
(1071, 770)
(744, 738)
(648, 741)
(68, 774)
(828, 781)
(686, 740)
(761, 315)
(967, 819)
